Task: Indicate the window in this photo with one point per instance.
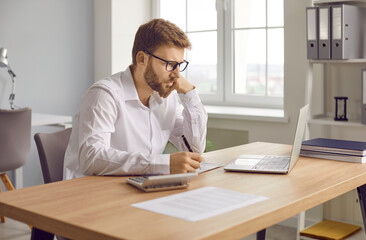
(237, 55)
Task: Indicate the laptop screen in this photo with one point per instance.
(300, 130)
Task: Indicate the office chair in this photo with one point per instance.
(51, 149)
(15, 142)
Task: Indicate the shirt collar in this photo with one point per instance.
(129, 85)
(131, 91)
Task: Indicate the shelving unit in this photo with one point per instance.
(325, 119)
(328, 120)
(339, 61)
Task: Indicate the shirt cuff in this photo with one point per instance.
(190, 98)
(161, 163)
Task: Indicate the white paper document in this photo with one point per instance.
(207, 166)
(199, 204)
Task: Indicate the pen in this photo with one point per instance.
(186, 143)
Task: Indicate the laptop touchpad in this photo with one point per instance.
(248, 160)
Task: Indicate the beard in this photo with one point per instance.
(152, 80)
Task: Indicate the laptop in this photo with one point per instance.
(273, 164)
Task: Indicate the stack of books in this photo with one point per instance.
(334, 149)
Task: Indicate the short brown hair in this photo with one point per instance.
(156, 33)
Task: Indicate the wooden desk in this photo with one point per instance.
(98, 207)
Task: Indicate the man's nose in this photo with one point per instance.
(175, 73)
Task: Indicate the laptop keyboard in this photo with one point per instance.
(273, 162)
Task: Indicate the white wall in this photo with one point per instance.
(102, 38)
(127, 16)
(50, 48)
(116, 23)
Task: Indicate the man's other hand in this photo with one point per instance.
(184, 162)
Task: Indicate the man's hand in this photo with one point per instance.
(180, 84)
(184, 162)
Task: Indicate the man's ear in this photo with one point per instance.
(141, 58)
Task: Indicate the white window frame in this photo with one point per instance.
(230, 97)
(225, 63)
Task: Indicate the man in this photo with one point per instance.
(125, 121)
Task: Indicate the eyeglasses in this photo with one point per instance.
(171, 65)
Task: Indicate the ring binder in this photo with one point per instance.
(336, 32)
(325, 32)
(347, 32)
(312, 32)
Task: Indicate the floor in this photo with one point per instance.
(277, 232)
(13, 230)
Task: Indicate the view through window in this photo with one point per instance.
(237, 54)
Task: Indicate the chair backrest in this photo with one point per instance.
(51, 150)
(15, 138)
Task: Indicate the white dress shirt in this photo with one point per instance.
(115, 134)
